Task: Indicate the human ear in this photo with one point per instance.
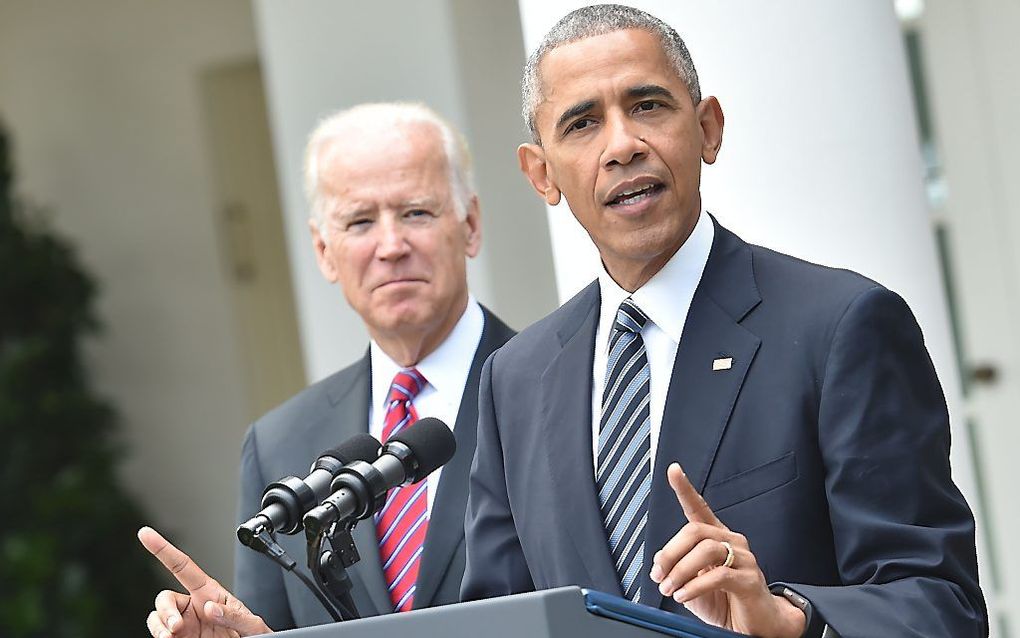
(712, 120)
(531, 158)
(321, 248)
(473, 228)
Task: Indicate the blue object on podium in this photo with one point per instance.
(567, 612)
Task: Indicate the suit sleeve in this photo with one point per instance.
(495, 562)
(258, 582)
(904, 535)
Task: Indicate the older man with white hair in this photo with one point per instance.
(394, 218)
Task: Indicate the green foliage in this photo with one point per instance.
(69, 562)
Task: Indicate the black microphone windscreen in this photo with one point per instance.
(360, 447)
(431, 441)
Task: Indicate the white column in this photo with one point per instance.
(460, 57)
(970, 52)
(820, 157)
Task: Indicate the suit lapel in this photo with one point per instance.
(701, 398)
(350, 403)
(566, 410)
(367, 577)
(446, 527)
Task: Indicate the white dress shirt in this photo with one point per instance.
(665, 299)
(446, 371)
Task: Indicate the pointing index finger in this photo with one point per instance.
(695, 508)
(187, 573)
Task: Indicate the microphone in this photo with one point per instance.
(359, 489)
(285, 501)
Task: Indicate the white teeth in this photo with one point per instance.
(636, 190)
(634, 194)
(631, 200)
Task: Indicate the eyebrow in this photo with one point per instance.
(350, 213)
(422, 202)
(642, 90)
(578, 109)
(649, 90)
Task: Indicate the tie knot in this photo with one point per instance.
(406, 385)
(629, 317)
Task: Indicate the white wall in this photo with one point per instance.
(102, 101)
(820, 157)
(460, 57)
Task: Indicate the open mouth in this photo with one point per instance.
(636, 195)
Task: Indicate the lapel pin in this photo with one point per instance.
(722, 363)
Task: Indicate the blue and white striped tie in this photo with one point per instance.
(623, 475)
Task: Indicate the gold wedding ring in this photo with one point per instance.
(729, 554)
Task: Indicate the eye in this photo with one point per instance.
(418, 215)
(579, 125)
(358, 224)
(647, 106)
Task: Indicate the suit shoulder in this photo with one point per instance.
(284, 420)
(534, 342)
(495, 334)
(804, 305)
(805, 284)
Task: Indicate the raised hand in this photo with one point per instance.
(712, 571)
(207, 610)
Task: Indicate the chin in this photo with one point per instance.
(404, 317)
(645, 244)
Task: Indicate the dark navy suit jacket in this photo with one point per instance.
(826, 444)
(287, 440)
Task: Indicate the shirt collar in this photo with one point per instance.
(446, 368)
(666, 297)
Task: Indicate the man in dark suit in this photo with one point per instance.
(710, 427)
(394, 218)
(284, 441)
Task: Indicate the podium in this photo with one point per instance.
(552, 613)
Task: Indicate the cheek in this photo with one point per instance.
(443, 267)
(569, 170)
(585, 175)
(353, 269)
(683, 159)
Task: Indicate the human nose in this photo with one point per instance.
(392, 242)
(623, 143)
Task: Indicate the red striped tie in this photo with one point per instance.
(403, 521)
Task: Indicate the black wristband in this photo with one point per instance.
(814, 624)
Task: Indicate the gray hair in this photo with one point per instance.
(596, 20)
(386, 114)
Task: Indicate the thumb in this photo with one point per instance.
(240, 619)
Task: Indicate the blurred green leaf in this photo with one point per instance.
(69, 564)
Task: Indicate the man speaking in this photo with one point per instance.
(395, 217)
(710, 426)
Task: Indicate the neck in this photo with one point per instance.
(408, 348)
(630, 273)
